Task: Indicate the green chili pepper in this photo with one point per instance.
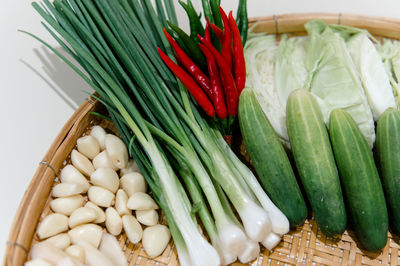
(194, 19)
(215, 11)
(207, 10)
(178, 40)
(194, 50)
(242, 20)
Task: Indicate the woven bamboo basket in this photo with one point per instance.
(304, 246)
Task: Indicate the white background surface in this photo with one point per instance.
(39, 93)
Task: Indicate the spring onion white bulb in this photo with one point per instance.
(271, 241)
(93, 257)
(250, 252)
(232, 238)
(109, 246)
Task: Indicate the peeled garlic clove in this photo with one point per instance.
(37, 262)
(117, 151)
(132, 228)
(101, 216)
(113, 221)
(52, 225)
(121, 199)
(87, 232)
(100, 135)
(88, 146)
(103, 161)
(110, 247)
(94, 257)
(76, 252)
(81, 216)
(133, 182)
(147, 217)
(106, 178)
(66, 205)
(141, 201)
(69, 174)
(47, 252)
(155, 239)
(66, 190)
(130, 167)
(82, 163)
(101, 196)
(61, 241)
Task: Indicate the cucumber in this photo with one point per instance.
(388, 153)
(270, 159)
(360, 180)
(315, 162)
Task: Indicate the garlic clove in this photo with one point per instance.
(69, 174)
(133, 182)
(47, 252)
(61, 241)
(141, 201)
(82, 215)
(117, 151)
(106, 178)
(110, 247)
(147, 217)
(130, 167)
(66, 205)
(132, 228)
(94, 257)
(52, 225)
(37, 262)
(103, 161)
(101, 216)
(100, 135)
(88, 146)
(76, 252)
(113, 221)
(87, 232)
(121, 199)
(66, 189)
(82, 163)
(155, 239)
(101, 196)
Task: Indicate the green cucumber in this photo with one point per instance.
(315, 162)
(388, 151)
(360, 180)
(270, 159)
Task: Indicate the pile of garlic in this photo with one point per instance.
(74, 234)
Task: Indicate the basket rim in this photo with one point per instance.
(18, 244)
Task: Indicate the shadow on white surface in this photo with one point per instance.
(71, 88)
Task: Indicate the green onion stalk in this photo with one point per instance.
(115, 42)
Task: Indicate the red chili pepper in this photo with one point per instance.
(190, 84)
(207, 33)
(218, 32)
(226, 50)
(218, 96)
(231, 93)
(190, 67)
(239, 64)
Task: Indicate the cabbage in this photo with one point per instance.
(260, 55)
(333, 77)
(372, 73)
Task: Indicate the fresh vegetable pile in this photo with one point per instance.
(321, 94)
(174, 99)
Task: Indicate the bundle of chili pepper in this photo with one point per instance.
(218, 93)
